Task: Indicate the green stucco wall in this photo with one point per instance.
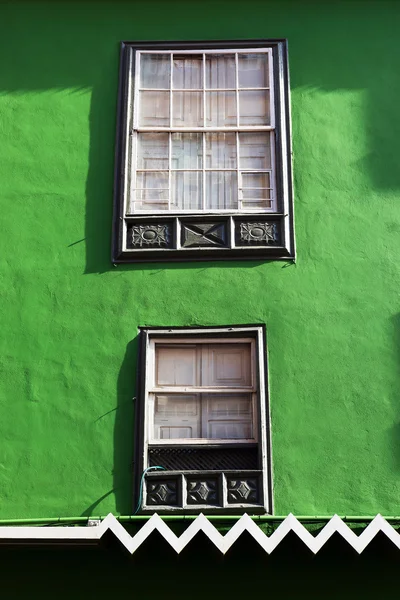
(69, 318)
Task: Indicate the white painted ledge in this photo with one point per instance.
(201, 523)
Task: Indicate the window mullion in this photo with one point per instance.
(170, 135)
(238, 176)
(203, 135)
(238, 182)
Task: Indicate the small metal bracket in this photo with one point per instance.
(93, 522)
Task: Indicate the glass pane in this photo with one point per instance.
(188, 72)
(219, 430)
(187, 151)
(255, 150)
(257, 194)
(221, 109)
(254, 108)
(229, 416)
(187, 190)
(221, 150)
(221, 190)
(155, 71)
(176, 365)
(176, 416)
(154, 109)
(253, 204)
(220, 71)
(253, 70)
(151, 191)
(176, 406)
(228, 365)
(187, 109)
(255, 180)
(152, 151)
(155, 195)
(229, 406)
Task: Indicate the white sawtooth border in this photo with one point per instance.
(201, 523)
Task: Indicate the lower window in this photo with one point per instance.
(204, 420)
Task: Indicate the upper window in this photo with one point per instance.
(204, 129)
(203, 160)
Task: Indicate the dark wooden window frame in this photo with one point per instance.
(269, 236)
(229, 498)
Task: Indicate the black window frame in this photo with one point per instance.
(261, 474)
(271, 234)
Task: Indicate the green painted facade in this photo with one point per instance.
(70, 319)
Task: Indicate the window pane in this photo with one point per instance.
(151, 191)
(255, 180)
(176, 416)
(174, 405)
(221, 151)
(255, 150)
(155, 71)
(256, 192)
(187, 190)
(176, 365)
(228, 365)
(230, 431)
(187, 109)
(253, 70)
(152, 151)
(154, 109)
(230, 406)
(254, 108)
(219, 416)
(188, 72)
(221, 109)
(229, 416)
(187, 151)
(221, 190)
(254, 204)
(220, 71)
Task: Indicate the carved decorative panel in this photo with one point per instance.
(164, 492)
(203, 234)
(202, 491)
(265, 233)
(150, 235)
(243, 490)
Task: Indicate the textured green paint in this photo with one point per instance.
(70, 319)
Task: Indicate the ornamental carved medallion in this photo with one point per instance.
(258, 232)
(150, 235)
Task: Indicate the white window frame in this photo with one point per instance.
(152, 390)
(255, 335)
(203, 130)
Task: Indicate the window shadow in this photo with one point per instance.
(124, 428)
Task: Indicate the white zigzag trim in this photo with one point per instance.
(201, 523)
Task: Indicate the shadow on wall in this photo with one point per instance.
(124, 431)
(339, 46)
(124, 436)
(336, 50)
